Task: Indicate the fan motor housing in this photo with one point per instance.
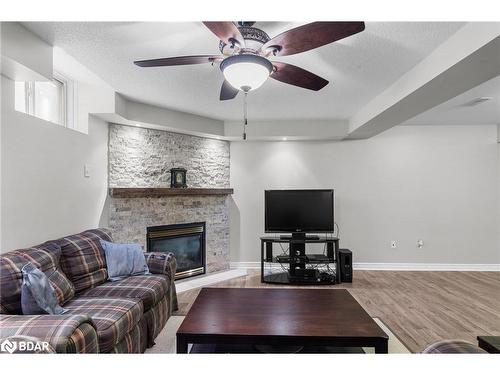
(254, 39)
(256, 59)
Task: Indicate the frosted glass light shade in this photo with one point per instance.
(246, 72)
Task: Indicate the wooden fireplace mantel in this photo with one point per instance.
(124, 192)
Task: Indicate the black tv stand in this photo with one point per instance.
(294, 265)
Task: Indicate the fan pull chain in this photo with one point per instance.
(245, 120)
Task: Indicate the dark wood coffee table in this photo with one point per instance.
(489, 343)
(280, 317)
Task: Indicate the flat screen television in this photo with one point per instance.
(299, 211)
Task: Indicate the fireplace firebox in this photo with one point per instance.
(186, 241)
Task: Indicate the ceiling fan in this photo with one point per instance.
(246, 51)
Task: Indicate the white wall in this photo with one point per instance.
(44, 193)
(498, 191)
(436, 183)
(291, 129)
(24, 55)
(167, 118)
(92, 94)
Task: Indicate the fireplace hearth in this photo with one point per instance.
(186, 241)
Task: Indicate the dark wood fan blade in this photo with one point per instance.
(226, 31)
(293, 75)
(179, 60)
(227, 91)
(310, 36)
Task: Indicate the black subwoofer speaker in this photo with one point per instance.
(345, 261)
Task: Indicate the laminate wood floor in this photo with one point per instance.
(419, 307)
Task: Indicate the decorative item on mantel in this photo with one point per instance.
(178, 178)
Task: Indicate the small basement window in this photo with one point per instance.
(48, 100)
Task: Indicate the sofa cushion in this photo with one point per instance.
(114, 318)
(46, 258)
(150, 289)
(83, 259)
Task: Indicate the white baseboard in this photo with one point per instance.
(427, 267)
(244, 265)
(398, 266)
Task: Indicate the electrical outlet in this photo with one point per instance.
(394, 244)
(420, 244)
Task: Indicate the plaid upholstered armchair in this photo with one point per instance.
(103, 317)
(453, 347)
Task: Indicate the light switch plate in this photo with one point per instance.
(86, 170)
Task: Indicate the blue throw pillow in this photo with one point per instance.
(124, 259)
(37, 295)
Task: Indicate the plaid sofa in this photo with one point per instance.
(453, 347)
(103, 317)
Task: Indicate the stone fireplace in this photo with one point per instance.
(140, 158)
(186, 241)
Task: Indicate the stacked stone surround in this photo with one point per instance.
(141, 157)
(131, 216)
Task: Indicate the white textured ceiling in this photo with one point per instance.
(457, 111)
(358, 67)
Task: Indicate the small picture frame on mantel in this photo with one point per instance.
(178, 178)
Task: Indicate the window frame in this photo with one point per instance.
(67, 100)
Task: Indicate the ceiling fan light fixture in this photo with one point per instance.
(246, 72)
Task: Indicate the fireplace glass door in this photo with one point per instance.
(186, 241)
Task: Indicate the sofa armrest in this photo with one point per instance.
(166, 264)
(161, 263)
(64, 333)
(453, 347)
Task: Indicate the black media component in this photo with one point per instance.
(318, 258)
(305, 275)
(298, 257)
(269, 251)
(282, 258)
(329, 250)
(326, 277)
(345, 260)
